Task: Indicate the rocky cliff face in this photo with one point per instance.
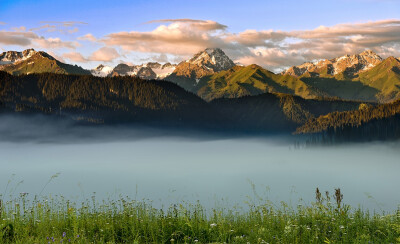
(11, 57)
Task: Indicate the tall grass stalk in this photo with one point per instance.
(58, 220)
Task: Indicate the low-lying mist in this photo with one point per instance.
(169, 165)
(38, 128)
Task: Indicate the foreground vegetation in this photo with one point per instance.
(57, 220)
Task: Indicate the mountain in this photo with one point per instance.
(31, 61)
(350, 65)
(126, 99)
(250, 80)
(378, 84)
(385, 78)
(363, 77)
(211, 75)
(102, 71)
(108, 100)
(148, 71)
(188, 73)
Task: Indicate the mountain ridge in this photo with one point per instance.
(211, 74)
(350, 64)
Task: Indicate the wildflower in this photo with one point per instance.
(64, 234)
(77, 236)
(213, 225)
(172, 240)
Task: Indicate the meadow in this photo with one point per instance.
(54, 219)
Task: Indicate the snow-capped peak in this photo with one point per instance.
(351, 64)
(212, 58)
(101, 70)
(11, 57)
(150, 70)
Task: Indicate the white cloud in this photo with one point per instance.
(65, 27)
(105, 54)
(181, 38)
(75, 56)
(55, 43)
(273, 49)
(28, 38)
(88, 37)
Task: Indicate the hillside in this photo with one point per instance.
(385, 77)
(105, 100)
(125, 99)
(251, 80)
(366, 123)
(275, 112)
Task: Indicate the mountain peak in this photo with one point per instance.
(11, 57)
(28, 52)
(31, 61)
(392, 61)
(101, 70)
(369, 52)
(211, 51)
(213, 59)
(207, 62)
(100, 67)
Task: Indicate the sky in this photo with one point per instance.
(273, 34)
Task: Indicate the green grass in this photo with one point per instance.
(56, 220)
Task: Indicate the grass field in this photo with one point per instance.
(58, 220)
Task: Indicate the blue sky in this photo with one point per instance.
(103, 18)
